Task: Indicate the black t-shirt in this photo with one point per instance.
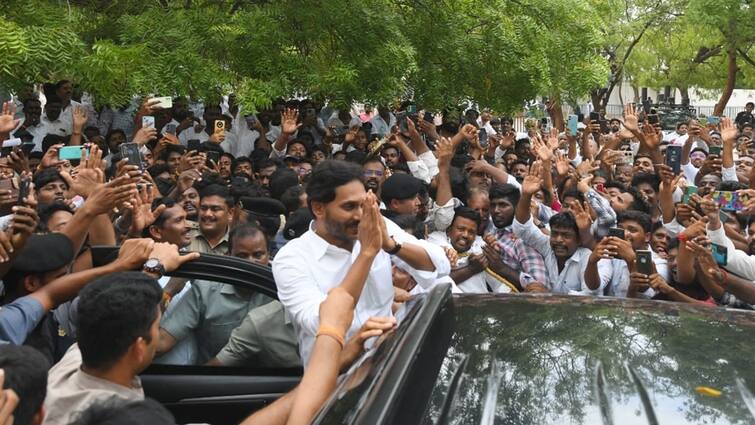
(744, 117)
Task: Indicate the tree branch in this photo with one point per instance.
(705, 53)
(745, 57)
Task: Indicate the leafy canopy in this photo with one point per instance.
(498, 53)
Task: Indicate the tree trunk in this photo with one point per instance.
(636, 91)
(731, 80)
(557, 114)
(684, 91)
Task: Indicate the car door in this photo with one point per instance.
(197, 393)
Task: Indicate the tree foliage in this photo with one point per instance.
(497, 53)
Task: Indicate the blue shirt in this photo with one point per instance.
(18, 319)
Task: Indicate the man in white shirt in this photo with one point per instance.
(348, 245)
(383, 122)
(565, 260)
(52, 121)
(622, 255)
(472, 273)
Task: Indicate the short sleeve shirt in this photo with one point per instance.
(19, 318)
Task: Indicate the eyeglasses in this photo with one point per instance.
(303, 170)
(376, 173)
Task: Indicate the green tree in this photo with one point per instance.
(496, 53)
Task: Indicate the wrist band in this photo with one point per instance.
(331, 332)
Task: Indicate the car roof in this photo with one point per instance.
(549, 359)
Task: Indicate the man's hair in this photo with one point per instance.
(217, 190)
(113, 411)
(46, 176)
(681, 123)
(750, 104)
(290, 198)
(263, 163)
(468, 213)
(373, 159)
(328, 176)
(573, 193)
(506, 191)
(158, 169)
(160, 220)
(564, 220)
(114, 311)
(110, 134)
(638, 217)
(235, 162)
(281, 180)
(46, 211)
(410, 224)
(646, 178)
(639, 203)
(730, 186)
(164, 155)
(25, 373)
(519, 161)
(244, 231)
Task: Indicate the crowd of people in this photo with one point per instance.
(354, 213)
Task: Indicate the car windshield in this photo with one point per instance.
(555, 360)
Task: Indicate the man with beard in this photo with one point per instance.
(472, 273)
(215, 214)
(373, 172)
(565, 260)
(517, 262)
(189, 200)
(51, 121)
(265, 169)
(349, 245)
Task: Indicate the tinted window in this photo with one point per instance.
(559, 361)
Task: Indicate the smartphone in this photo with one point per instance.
(720, 254)
(23, 190)
(653, 119)
(628, 157)
(148, 121)
(165, 102)
(644, 262)
(714, 120)
(193, 144)
(429, 117)
(213, 156)
(572, 124)
(8, 146)
(482, 137)
(170, 129)
(594, 116)
(411, 109)
(70, 153)
(728, 201)
(219, 127)
(715, 150)
(26, 148)
(617, 232)
(723, 216)
(688, 192)
(11, 185)
(674, 158)
(131, 152)
(401, 121)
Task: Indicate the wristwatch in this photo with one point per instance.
(154, 266)
(396, 248)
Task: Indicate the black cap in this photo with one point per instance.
(400, 186)
(262, 207)
(44, 253)
(297, 224)
(294, 159)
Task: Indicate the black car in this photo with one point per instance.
(500, 359)
(549, 359)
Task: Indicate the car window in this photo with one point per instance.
(213, 323)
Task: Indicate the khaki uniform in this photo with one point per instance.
(200, 244)
(266, 338)
(210, 311)
(71, 391)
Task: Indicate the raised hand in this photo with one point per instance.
(631, 122)
(533, 180)
(444, 147)
(144, 135)
(562, 164)
(142, 214)
(728, 130)
(79, 118)
(581, 215)
(586, 167)
(7, 119)
(169, 256)
(134, 253)
(50, 158)
(469, 132)
(542, 150)
(585, 183)
(371, 236)
(289, 121)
